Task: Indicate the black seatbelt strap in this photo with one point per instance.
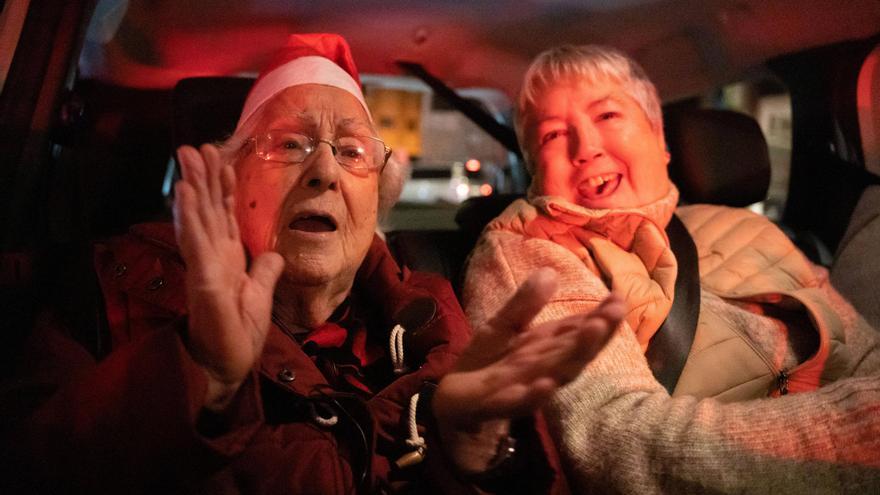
(670, 346)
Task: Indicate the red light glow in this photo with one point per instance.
(472, 165)
(485, 189)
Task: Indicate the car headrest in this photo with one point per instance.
(718, 157)
(206, 109)
(474, 213)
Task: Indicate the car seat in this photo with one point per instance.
(721, 157)
(717, 157)
(856, 267)
(206, 109)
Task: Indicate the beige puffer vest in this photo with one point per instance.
(743, 256)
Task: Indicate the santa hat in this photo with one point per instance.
(306, 59)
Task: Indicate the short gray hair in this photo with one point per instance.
(589, 63)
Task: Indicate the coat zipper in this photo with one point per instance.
(783, 376)
(782, 382)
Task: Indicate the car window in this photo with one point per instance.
(450, 159)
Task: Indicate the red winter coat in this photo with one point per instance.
(133, 422)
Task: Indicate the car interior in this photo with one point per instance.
(771, 105)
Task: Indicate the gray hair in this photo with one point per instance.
(588, 63)
(233, 148)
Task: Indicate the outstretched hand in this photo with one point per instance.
(510, 370)
(506, 372)
(229, 306)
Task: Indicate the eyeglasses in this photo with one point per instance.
(359, 153)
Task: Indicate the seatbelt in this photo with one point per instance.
(669, 347)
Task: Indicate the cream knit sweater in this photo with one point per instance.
(620, 432)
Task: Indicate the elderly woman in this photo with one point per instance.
(291, 354)
(769, 322)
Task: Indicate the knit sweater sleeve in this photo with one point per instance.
(861, 339)
(620, 431)
(503, 260)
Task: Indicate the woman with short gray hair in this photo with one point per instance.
(781, 390)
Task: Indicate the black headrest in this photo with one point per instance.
(718, 157)
(206, 109)
(478, 211)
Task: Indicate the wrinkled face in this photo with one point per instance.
(593, 145)
(319, 216)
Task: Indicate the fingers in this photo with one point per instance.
(214, 167)
(560, 349)
(610, 311)
(205, 172)
(490, 341)
(185, 159)
(228, 184)
(526, 303)
(613, 307)
(188, 227)
(534, 365)
(194, 173)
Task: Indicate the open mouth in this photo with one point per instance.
(313, 223)
(599, 186)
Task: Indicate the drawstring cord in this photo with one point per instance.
(326, 422)
(395, 345)
(415, 441)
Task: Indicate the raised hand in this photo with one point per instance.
(508, 372)
(229, 306)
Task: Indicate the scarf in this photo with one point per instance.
(626, 247)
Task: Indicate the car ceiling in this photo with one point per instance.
(686, 46)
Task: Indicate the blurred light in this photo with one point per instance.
(424, 192)
(472, 165)
(486, 189)
(462, 190)
(170, 178)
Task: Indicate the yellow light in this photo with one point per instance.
(472, 165)
(485, 189)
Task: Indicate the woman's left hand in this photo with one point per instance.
(229, 305)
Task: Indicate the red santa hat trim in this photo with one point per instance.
(306, 59)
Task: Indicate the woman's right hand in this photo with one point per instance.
(511, 368)
(229, 307)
